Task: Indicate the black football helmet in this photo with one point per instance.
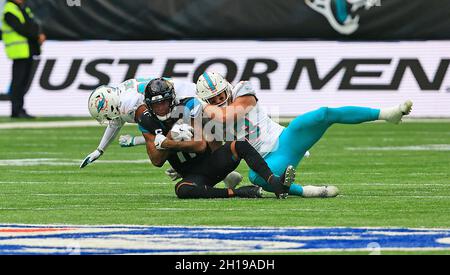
(158, 90)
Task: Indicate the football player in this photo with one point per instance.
(280, 146)
(201, 164)
(118, 105)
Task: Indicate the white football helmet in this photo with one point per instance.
(104, 103)
(213, 84)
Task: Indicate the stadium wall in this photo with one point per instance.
(244, 19)
(291, 77)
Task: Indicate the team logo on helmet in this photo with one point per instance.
(101, 103)
(342, 14)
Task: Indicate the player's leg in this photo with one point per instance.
(305, 130)
(199, 187)
(278, 160)
(279, 183)
(227, 158)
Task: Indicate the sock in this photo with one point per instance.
(296, 190)
(185, 190)
(253, 159)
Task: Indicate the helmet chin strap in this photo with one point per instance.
(224, 104)
(164, 118)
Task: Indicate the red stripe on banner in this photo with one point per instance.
(33, 230)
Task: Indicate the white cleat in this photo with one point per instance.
(395, 115)
(310, 191)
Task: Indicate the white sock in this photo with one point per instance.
(310, 191)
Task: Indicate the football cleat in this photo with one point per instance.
(395, 115)
(281, 185)
(249, 191)
(286, 180)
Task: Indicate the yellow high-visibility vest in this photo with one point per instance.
(16, 45)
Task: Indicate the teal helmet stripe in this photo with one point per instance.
(341, 9)
(209, 81)
(101, 103)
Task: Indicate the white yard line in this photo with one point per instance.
(49, 124)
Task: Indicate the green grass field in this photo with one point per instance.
(401, 186)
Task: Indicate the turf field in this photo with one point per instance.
(389, 176)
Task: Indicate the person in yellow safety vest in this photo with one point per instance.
(22, 37)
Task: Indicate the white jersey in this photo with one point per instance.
(257, 127)
(131, 97)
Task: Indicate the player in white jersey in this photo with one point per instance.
(280, 146)
(118, 106)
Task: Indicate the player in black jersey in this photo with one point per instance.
(201, 168)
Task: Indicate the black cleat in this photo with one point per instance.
(281, 185)
(286, 180)
(249, 191)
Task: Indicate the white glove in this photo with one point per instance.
(180, 132)
(91, 157)
(159, 139)
(172, 174)
(126, 141)
(233, 179)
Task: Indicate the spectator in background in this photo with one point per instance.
(23, 38)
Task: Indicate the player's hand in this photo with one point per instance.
(159, 140)
(172, 174)
(126, 141)
(180, 132)
(91, 158)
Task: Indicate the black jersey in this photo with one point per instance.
(182, 162)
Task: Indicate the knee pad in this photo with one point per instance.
(183, 189)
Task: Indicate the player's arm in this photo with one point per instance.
(157, 157)
(109, 135)
(237, 110)
(192, 140)
(185, 146)
(196, 145)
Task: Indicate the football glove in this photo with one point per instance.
(172, 174)
(182, 132)
(91, 157)
(126, 141)
(159, 139)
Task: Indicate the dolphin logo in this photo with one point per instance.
(341, 13)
